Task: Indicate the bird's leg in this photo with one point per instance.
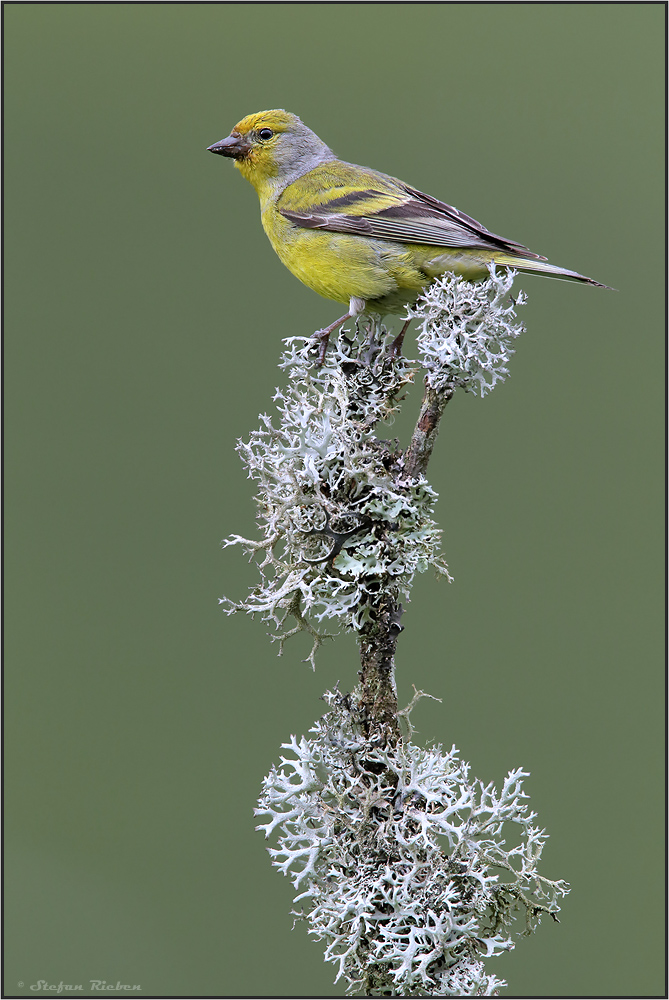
(396, 346)
(355, 307)
(324, 335)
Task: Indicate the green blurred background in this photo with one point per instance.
(144, 312)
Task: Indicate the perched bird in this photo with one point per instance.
(355, 235)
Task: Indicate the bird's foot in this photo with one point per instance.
(323, 336)
(323, 339)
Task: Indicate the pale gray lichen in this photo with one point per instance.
(400, 858)
(466, 330)
(340, 520)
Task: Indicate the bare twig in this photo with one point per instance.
(425, 432)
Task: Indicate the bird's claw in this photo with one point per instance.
(322, 338)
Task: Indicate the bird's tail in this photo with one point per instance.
(543, 267)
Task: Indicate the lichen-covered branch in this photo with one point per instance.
(465, 335)
(402, 862)
(341, 524)
(346, 517)
(397, 856)
(378, 692)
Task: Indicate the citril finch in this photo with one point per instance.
(355, 235)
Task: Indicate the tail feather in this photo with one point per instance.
(543, 267)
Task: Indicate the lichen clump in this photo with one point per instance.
(341, 521)
(400, 861)
(465, 331)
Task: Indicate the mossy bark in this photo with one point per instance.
(378, 699)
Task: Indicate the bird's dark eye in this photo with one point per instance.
(265, 133)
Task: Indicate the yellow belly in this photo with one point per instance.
(386, 275)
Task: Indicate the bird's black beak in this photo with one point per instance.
(236, 146)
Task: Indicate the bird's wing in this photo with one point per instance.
(401, 213)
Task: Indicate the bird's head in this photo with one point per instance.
(272, 149)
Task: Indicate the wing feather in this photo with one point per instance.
(413, 217)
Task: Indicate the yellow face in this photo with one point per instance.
(255, 141)
(271, 144)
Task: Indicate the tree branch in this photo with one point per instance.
(425, 432)
(378, 699)
(378, 702)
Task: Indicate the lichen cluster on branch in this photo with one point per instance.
(399, 856)
(465, 331)
(340, 521)
(343, 517)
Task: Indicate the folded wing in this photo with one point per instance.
(402, 214)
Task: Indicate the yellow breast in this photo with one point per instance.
(385, 274)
